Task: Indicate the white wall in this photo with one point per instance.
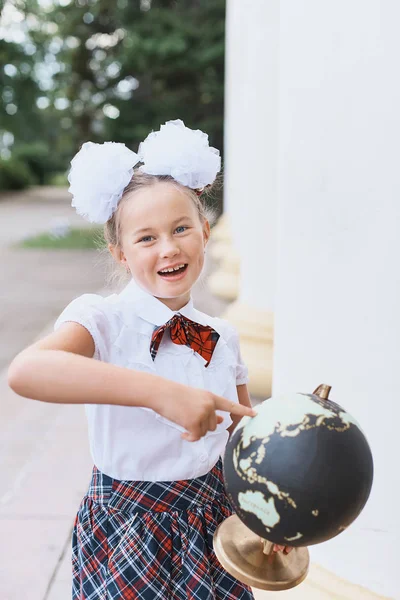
(338, 295)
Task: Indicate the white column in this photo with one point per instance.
(251, 121)
(338, 292)
(251, 126)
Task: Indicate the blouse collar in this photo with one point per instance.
(152, 310)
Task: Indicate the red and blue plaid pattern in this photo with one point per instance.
(200, 338)
(140, 540)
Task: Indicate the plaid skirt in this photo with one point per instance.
(139, 540)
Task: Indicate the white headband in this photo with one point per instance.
(100, 172)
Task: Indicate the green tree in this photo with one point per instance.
(119, 68)
(24, 127)
(128, 69)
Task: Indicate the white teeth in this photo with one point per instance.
(171, 270)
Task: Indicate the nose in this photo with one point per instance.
(169, 248)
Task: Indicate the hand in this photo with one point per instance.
(194, 410)
(284, 549)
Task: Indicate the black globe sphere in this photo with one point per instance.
(300, 472)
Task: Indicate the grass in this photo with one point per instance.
(76, 239)
(58, 179)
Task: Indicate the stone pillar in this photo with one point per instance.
(338, 293)
(251, 121)
(224, 281)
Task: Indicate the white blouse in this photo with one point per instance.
(136, 443)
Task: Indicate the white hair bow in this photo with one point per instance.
(98, 176)
(182, 153)
(100, 172)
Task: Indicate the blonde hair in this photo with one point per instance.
(140, 180)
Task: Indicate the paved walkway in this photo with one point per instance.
(38, 487)
(36, 284)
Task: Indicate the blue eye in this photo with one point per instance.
(146, 238)
(182, 227)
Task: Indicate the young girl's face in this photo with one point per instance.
(161, 229)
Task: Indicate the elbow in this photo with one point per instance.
(17, 375)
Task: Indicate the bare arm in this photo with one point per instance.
(244, 400)
(60, 369)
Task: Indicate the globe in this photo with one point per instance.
(300, 471)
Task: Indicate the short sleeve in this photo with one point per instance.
(92, 312)
(231, 336)
(242, 372)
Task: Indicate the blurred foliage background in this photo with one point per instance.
(78, 70)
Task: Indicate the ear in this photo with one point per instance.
(206, 232)
(117, 254)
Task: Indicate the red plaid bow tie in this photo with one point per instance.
(200, 338)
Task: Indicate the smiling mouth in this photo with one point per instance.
(174, 273)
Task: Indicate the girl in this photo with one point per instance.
(167, 384)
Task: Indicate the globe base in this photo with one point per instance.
(242, 553)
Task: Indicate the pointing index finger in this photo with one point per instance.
(234, 408)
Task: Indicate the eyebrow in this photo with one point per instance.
(144, 229)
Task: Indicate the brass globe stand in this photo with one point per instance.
(250, 559)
